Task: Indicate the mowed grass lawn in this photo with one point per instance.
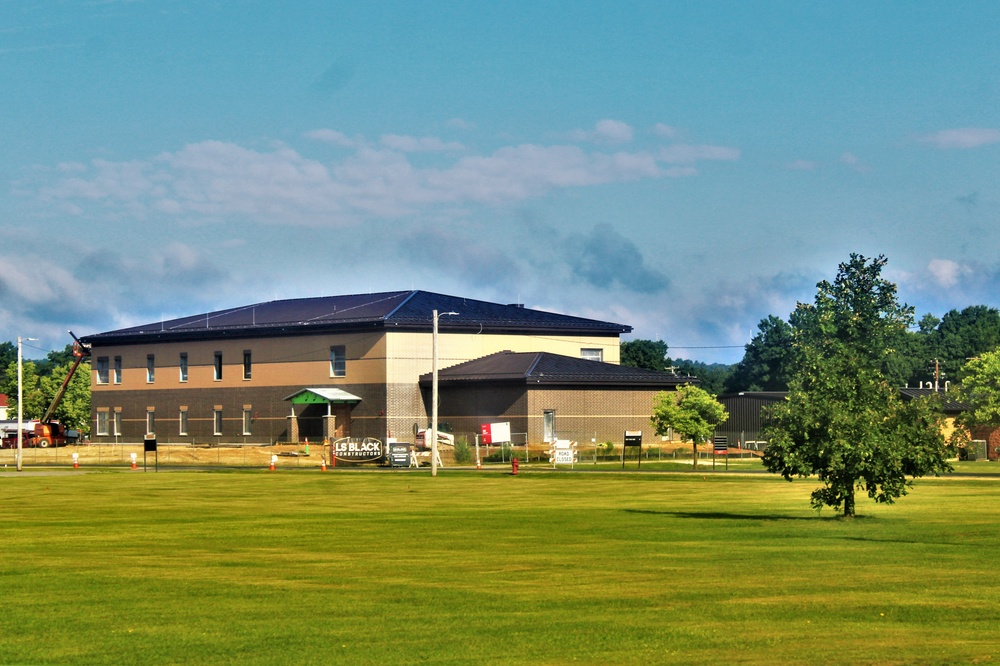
(397, 567)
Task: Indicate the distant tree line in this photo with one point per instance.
(935, 349)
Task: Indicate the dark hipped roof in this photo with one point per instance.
(546, 368)
(397, 310)
(948, 404)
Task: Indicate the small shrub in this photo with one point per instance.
(463, 452)
(503, 454)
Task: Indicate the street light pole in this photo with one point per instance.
(20, 400)
(432, 431)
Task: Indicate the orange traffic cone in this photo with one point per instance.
(322, 466)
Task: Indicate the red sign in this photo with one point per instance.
(487, 433)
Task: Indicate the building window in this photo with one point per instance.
(218, 366)
(150, 368)
(150, 422)
(183, 421)
(338, 361)
(247, 364)
(102, 373)
(184, 366)
(217, 421)
(592, 354)
(118, 371)
(102, 423)
(247, 422)
(549, 425)
(118, 422)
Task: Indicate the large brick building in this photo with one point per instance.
(325, 367)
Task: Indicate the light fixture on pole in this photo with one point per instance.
(20, 400)
(432, 431)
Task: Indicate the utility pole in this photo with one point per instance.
(432, 431)
(20, 400)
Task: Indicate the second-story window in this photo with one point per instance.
(150, 369)
(247, 364)
(218, 366)
(184, 366)
(338, 361)
(102, 372)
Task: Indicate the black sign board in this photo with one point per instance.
(399, 454)
(633, 438)
(149, 446)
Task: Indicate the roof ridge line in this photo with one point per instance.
(534, 364)
(413, 293)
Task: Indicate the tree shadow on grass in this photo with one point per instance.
(726, 515)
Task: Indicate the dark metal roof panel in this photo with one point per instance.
(547, 368)
(408, 310)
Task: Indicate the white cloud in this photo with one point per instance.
(963, 138)
(854, 163)
(460, 123)
(680, 153)
(278, 184)
(659, 129)
(607, 132)
(947, 273)
(334, 137)
(412, 144)
(801, 165)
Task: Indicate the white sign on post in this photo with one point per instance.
(500, 432)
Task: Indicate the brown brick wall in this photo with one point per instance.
(267, 403)
(581, 414)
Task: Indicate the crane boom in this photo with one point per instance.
(80, 352)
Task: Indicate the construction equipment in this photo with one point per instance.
(52, 433)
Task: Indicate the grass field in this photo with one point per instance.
(253, 567)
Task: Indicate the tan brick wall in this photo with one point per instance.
(382, 369)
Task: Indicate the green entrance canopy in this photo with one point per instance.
(322, 396)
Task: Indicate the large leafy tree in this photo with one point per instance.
(74, 409)
(8, 355)
(844, 420)
(647, 354)
(767, 360)
(35, 401)
(964, 334)
(980, 390)
(691, 412)
(711, 376)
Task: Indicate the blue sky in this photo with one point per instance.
(684, 168)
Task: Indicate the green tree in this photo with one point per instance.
(73, 410)
(647, 354)
(691, 412)
(8, 355)
(844, 421)
(34, 399)
(53, 360)
(980, 390)
(711, 376)
(767, 360)
(961, 335)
